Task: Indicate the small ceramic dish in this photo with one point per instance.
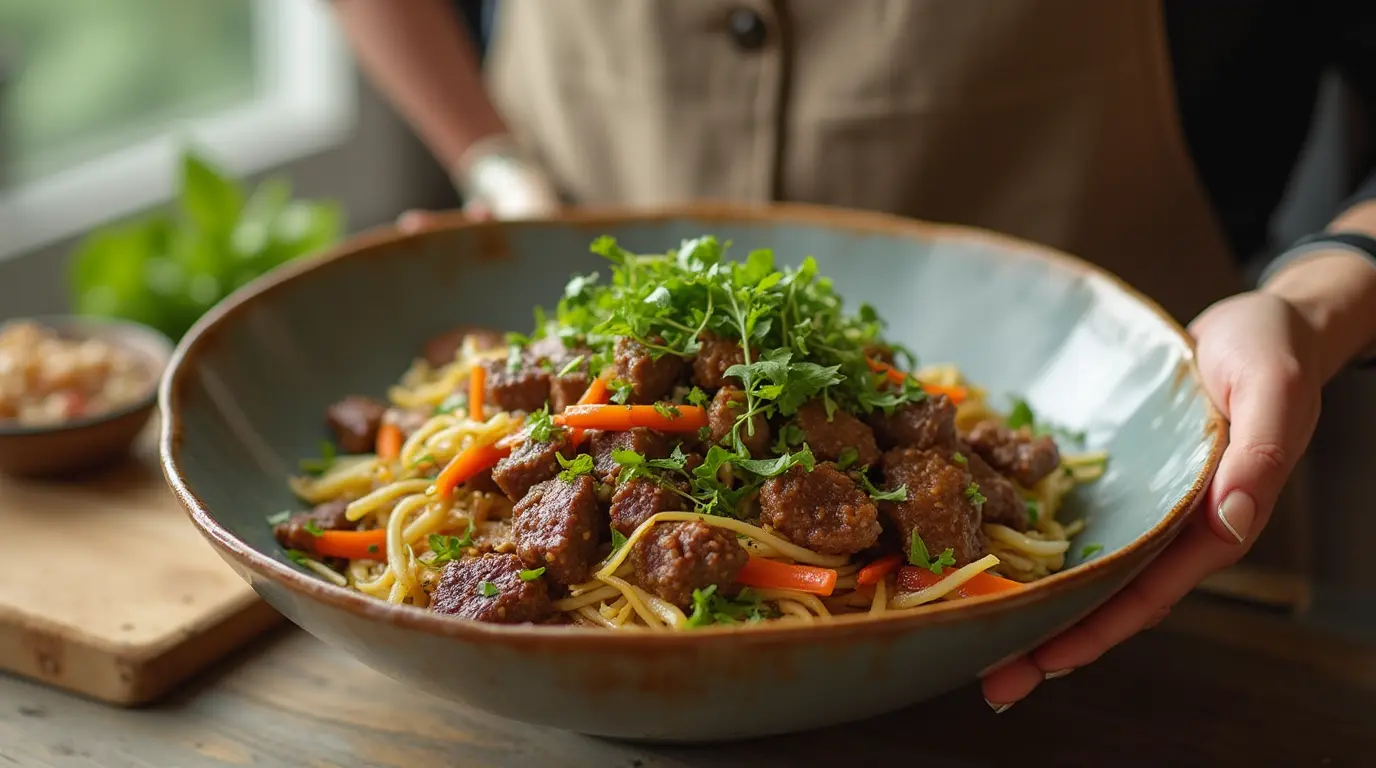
(245, 395)
(88, 442)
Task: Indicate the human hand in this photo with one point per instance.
(1259, 361)
(498, 183)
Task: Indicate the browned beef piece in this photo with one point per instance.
(674, 559)
(727, 406)
(293, 534)
(524, 389)
(556, 528)
(565, 390)
(828, 439)
(1003, 504)
(651, 378)
(530, 462)
(939, 506)
(490, 588)
(1015, 453)
(715, 355)
(646, 442)
(822, 510)
(636, 500)
(355, 421)
(443, 348)
(927, 424)
(483, 482)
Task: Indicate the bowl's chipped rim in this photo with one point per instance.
(1124, 561)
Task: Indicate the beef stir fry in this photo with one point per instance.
(688, 441)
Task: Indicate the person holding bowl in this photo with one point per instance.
(1152, 138)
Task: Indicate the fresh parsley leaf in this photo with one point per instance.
(848, 457)
(667, 410)
(532, 574)
(372, 549)
(541, 428)
(778, 465)
(898, 494)
(676, 460)
(581, 464)
(488, 589)
(618, 540)
(446, 548)
(917, 555)
(1034, 509)
(278, 518)
(697, 397)
(424, 459)
(1090, 550)
(711, 608)
(960, 459)
(322, 465)
(299, 557)
(621, 391)
(452, 403)
(627, 458)
(571, 366)
(972, 493)
(1020, 415)
(313, 528)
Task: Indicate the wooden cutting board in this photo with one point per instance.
(108, 590)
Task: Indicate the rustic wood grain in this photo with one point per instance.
(1214, 686)
(108, 590)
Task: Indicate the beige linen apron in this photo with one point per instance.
(1051, 120)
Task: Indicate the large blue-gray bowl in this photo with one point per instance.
(243, 401)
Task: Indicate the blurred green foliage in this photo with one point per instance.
(167, 269)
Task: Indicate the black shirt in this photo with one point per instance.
(1247, 77)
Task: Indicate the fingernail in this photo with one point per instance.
(1236, 513)
(1058, 673)
(998, 708)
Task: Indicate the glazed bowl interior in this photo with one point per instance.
(246, 394)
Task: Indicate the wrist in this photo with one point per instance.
(1334, 292)
(495, 172)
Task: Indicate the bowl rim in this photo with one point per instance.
(163, 350)
(1129, 557)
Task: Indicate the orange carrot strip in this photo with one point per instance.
(477, 386)
(877, 570)
(957, 394)
(619, 418)
(596, 393)
(388, 442)
(469, 462)
(352, 545)
(772, 574)
(912, 579)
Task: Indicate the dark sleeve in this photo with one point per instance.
(1354, 55)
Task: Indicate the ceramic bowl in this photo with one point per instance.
(88, 443)
(244, 399)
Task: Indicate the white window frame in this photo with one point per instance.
(306, 102)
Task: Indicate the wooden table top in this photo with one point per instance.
(1215, 685)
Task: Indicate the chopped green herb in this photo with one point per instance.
(513, 357)
(697, 397)
(705, 434)
(621, 391)
(710, 608)
(541, 428)
(1020, 415)
(299, 557)
(627, 458)
(446, 548)
(532, 574)
(618, 540)
(848, 457)
(1090, 550)
(898, 494)
(1034, 509)
(581, 464)
(313, 528)
(372, 549)
(488, 589)
(321, 465)
(918, 556)
(452, 403)
(960, 459)
(278, 518)
(667, 410)
(424, 459)
(972, 493)
(571, 366)
(778, 465)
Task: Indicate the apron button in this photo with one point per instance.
(748, 29)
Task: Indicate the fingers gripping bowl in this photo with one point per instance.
(244, 399)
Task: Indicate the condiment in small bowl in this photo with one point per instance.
(75, 392)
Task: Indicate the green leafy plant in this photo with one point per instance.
(166, 269)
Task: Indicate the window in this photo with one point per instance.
(98, 97)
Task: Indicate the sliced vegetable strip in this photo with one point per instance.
(912, 579)
(619, 418)
(353, 545)
(388, 442)
(771, 574)
(877, 570)
(957, 394)
(477, 388)
(470, 461)
(596, 394)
